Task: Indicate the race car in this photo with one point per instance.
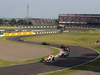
(49, 59)
(45, 43)
(64, 53)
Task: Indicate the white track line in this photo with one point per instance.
(76, 65)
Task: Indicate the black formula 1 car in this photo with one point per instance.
(45, 43)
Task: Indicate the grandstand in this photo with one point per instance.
(65, 21)
(79, 20)
(44, 23)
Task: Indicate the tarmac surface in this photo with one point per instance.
(78, 55)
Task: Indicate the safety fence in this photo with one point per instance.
(9, 34)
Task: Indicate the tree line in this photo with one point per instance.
(13, 22)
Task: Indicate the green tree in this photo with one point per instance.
(30, 23)
(12, 22)
(24, 22)
(21, 22)
(1, 21)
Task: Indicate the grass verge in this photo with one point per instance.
(85, 39)
(54, 51)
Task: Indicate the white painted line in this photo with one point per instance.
(76, 65)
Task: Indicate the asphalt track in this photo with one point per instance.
(78, 55)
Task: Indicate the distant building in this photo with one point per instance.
(79, 20)
(44, 23)
(64, 21)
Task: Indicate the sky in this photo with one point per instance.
(47, 8)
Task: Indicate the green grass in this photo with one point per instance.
(2, 38)
(63, 72)
(85, 39)
(8, 63)
(54, 51)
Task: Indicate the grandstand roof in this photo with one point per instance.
(85, 15)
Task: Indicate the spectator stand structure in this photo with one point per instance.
(79, 21)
